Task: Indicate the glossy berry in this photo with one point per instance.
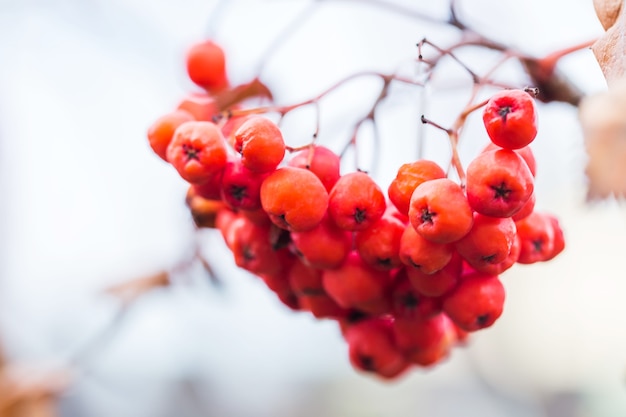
(440, 212)
(372, 349)
(260, 143)
(258, 217)
(408, 178)
(240, 187)
(160, 133)
(420, 253)
(508, 262)
(278, 282)
(440, 282)
(559, 237)
(306, 283)
(356, 201)
(498, 183)
(425, 342)
(206, 66)
(379, 244)
(527, 208)
(211, 188)
(488, 242)
(294, 198)
(321, 161)
(526, 153)
(356, 285)
(510, 119)
(253, 251)
(476, 302)
(536, 233)
(326, 246)
(408, 303)
(197, 151)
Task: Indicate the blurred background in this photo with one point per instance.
(86, 205)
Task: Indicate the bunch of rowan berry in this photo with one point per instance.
(407, 273)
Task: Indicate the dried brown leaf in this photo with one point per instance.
(234, 96)
(128, 291)
(603, 120)
(607, 11)
(610, 49)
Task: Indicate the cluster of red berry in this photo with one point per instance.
(408, 273)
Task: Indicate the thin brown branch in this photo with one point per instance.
(283, 110)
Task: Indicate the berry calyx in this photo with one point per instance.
(197, 151)
(356, 201)
(498, 183)
(440, 212)
(476, 302)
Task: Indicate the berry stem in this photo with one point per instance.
(282, 110)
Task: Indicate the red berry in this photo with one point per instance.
(419, 253)
(294, 198)
(526, 153)
(306, 283)
(379, 244)
(197, 151)
(261, 144)
(408, 303)
(425, 342)
(440, 282)
(211, 189)
(440, 212)
(476, 302)
(408, 178)
(206, 66)
(325, 246)
(224, 219)
(489, 241)
(240, 187)
(230, 128)
(356, 201)
(510, 119)
(508, 262)
(278, 282)
(536, 233)
(321, 161)
(499, 183)
(559, 238)
(162, 130)
(356, 285)
(253, 250)
(526, 209)
(372, 349)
